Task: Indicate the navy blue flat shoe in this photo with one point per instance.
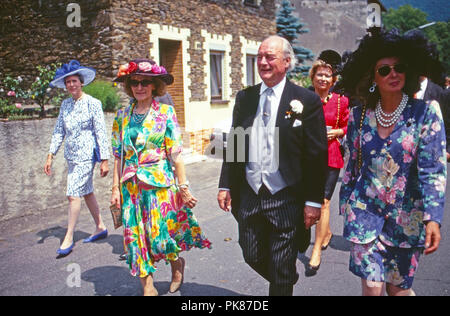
(99, 236)
(65, 252)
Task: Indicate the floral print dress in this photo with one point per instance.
(402, 180)
(156, 223)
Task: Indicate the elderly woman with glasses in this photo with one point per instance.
(393, 190)
(156, 209)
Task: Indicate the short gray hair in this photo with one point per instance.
(288, 51)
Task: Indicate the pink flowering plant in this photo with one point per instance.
(40, 91)
(11, 92)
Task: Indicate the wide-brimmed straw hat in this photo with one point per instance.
(70, 69)
(143, 67)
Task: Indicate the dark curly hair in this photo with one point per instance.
(412, 48)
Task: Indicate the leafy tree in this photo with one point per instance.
(289, 27)
(406, 18)
(440, 35)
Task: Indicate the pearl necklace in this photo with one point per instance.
(389, 119)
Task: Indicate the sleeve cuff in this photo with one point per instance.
(313, 204)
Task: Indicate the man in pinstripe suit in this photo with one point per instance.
(273, 177)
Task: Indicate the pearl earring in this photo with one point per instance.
(372, 88)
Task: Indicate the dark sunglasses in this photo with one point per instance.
(386, 70)
(144, 83)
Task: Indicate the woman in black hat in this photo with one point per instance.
(155, 200)
(393, 190)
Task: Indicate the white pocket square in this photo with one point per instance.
(297, 123)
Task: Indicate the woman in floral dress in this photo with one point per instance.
(157, 217)
(393, 191)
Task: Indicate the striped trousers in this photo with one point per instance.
(267, 231)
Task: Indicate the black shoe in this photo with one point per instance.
(325, 247)
(312, 270)
(123, 257)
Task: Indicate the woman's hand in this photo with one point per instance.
(432, 237)
(187, 197)
(115, 196)
(48, 165)
(104, 168)
(335, 133)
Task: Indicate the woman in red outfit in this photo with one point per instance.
(335, 108)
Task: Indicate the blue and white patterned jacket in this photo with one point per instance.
(82, 124)
(401, 184)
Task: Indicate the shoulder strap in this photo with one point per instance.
(121, 137)
(338, 112)
(363, 114)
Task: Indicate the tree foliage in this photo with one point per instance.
(290, 27)
(406, 18)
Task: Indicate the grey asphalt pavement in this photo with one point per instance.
(29, 264)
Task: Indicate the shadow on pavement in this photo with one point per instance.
(115, 240)
(117, 281)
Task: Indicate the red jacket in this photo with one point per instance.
(330, 110)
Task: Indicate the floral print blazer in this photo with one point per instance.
(402, 180)
(82, 124)
(157, 145)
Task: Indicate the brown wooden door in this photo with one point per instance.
(171, 57)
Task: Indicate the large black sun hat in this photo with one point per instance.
(413, 49)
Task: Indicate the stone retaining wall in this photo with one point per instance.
(25, 189)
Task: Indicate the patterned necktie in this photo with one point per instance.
(267, 106)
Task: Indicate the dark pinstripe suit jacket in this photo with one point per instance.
(303, 149)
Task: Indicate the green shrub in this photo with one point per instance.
(303, 81)
(40, 91)
(106, 93)
(7, 109)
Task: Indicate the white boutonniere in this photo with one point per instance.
(296, 109)
(297, 106)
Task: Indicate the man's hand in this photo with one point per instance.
(312, 216)
(448, 157)
(224, 199)
(432, 237)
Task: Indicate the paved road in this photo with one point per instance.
(28, 264)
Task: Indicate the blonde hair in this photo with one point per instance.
(320, 63)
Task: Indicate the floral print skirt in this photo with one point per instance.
(156, 226)
(80, 178)
(378, 262)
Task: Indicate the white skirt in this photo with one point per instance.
(80, 178)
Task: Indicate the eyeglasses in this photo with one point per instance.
(383, 71)
(144, 83)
